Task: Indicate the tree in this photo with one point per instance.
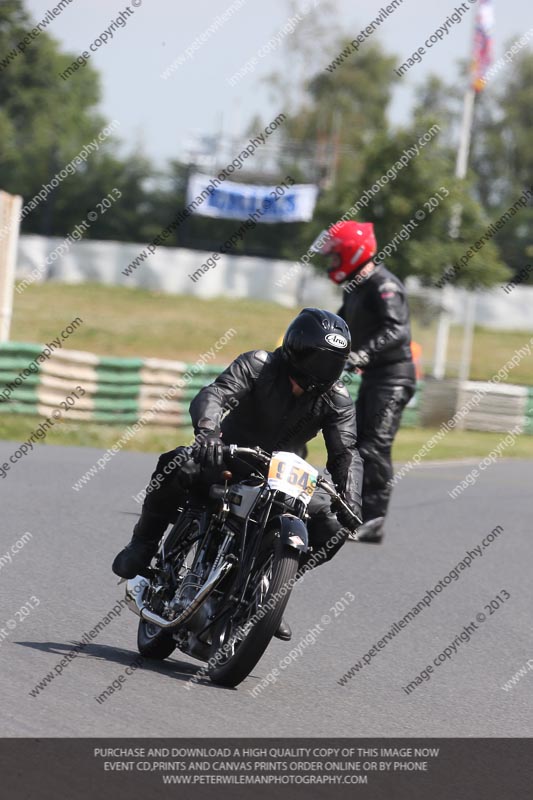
(337, 134)
(502, 155)
(412, 210)
(45, 122)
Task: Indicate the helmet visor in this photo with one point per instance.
(317, 369)
(323, 243)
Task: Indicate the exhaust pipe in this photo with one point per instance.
(135, 589)
(137, 586)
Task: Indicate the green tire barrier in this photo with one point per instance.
(117, 390)
(528, 426)
(126, 390)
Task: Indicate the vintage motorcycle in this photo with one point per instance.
(224, 573)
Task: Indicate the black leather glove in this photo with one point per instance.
(357, 360)
(208, 448)
(349, 518)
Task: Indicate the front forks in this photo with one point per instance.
(222, 550)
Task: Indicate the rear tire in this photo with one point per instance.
(154, 642)
(237, 667)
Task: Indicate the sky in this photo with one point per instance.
(161, 115)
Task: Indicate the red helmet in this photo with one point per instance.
(352, 245)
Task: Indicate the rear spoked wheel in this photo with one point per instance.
(152, 641)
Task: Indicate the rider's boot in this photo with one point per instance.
(371, 531)
(284, 631)
(136, 556)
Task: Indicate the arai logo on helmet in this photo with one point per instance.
(336, 340)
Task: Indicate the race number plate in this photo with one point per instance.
(292, 475)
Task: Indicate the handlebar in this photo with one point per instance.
(233, 450)
(328, 487)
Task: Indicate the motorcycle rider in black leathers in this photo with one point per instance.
(376, 311)
(277, 401)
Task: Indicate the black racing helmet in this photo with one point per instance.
(315, 347)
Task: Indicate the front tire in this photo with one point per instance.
(235, 660)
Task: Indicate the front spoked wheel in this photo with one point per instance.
(239, 643)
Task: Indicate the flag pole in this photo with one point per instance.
(461, 165)
(461, 168)
(443, 327)
(480, 62)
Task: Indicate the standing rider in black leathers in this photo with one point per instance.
(375, 308)
(278, 401)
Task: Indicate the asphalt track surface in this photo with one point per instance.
(66, 566)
